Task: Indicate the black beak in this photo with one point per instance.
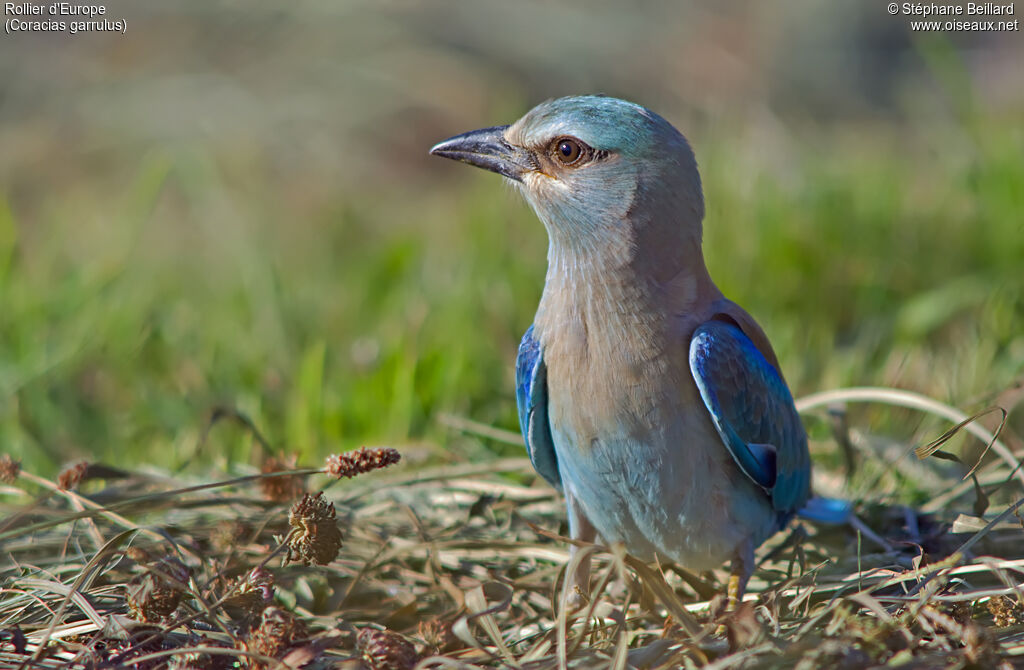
(486, 148)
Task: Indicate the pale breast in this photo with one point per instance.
(635, 443)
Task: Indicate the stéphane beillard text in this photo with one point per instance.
(966, 9)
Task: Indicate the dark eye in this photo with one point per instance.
(567, 150)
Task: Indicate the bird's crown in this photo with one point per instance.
(602, 123)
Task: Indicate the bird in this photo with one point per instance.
(655, 404)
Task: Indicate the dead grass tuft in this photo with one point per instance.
(461, 567)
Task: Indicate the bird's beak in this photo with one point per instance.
(488, 149)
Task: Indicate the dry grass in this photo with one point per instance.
(460, 567)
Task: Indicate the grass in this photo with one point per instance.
(202, 282)
(870, 259)
(459, 567)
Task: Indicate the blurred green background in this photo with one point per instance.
(232, 205)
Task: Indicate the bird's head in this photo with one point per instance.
(595, 169)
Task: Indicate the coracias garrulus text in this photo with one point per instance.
(651, 400)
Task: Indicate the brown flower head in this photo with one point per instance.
(1005, 611)
(278, 630)
(385, 650)
(438, 635)
(315, 537)
(284, 487)
(9, 469)
(363, 459)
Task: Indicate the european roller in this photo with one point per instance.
(655, 403)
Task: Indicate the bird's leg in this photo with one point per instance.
(580, 529)
(742, 568)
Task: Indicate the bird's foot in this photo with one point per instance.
(732, 605)
(734, 592)
(741, 569)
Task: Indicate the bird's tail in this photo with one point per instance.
(826, 510)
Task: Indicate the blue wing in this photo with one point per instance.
(532, 400)
(827, 510)
(753, 410)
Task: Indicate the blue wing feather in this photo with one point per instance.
(532, 401)
(827, 510)
(753, 411)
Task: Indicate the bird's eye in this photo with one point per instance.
(567, 150)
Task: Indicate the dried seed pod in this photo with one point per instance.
(284, 487)
(386, 650)
(9, 469)
(1005, 611)
(361, 460)
(316, 538)
(438, 635)
(278, 630)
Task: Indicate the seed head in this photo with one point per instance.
(278, 630)
(9, 469)
(363, 459)
(315, 537)
(385, 650)
(282, 488)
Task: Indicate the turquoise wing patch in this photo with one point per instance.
(532, 401)
(753, 411)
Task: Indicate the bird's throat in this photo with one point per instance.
(608, 299)
(589, 302)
